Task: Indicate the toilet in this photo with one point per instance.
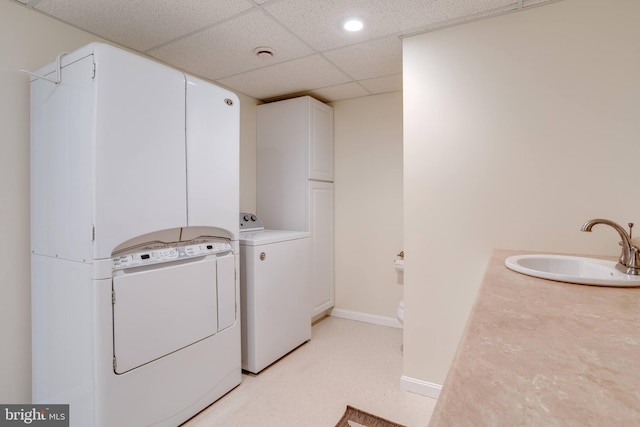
(399, 265)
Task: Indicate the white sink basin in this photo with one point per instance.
(571, 269)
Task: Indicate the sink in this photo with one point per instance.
(572, 269)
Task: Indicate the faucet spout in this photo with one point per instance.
(629, 261)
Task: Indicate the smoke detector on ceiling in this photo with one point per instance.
(263, 52)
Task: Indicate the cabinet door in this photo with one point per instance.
(322, 242)
(320, 141)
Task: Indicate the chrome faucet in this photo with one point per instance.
(629, 261)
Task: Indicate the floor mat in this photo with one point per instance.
(354, 417)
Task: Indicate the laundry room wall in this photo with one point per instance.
(368, 203)
(29, 40)
(247, 153)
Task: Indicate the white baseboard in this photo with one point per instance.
(420, 387)
(367, 318)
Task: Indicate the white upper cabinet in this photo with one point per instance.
(320, 128)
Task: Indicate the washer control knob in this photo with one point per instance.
(253, 218)
(246, 217)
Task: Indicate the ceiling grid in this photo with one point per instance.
(216, 39)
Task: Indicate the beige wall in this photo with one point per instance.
(368, 200)
(247, 153)
(29, 40)
(517, 129)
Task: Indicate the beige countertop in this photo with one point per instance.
(542, 353)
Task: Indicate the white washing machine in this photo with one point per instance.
(275, 289)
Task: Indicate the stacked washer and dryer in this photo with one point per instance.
(134, 238)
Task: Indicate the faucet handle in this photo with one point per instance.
(630, 224)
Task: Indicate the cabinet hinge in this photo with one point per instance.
(115, 363)
(113, 297)
(93, 233)
(93, 76)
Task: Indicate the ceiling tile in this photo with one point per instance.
(222, 50)
(384, 84)
(290, 77)
(142, 24)
(215, 39)
(370, 59)
(319, 22)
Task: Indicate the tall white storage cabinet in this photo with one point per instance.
(134, 239)
(295, 182)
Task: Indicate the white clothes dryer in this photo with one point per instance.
(275, 289)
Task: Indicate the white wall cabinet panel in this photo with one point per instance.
(320, 130)
(294, 181)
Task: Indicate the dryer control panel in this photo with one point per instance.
(166, 252)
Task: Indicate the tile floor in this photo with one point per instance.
(345, 363)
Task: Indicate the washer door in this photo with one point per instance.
(160, 310)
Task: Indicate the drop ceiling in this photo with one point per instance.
(216, 39)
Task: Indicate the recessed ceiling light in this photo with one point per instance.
(353, 25)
